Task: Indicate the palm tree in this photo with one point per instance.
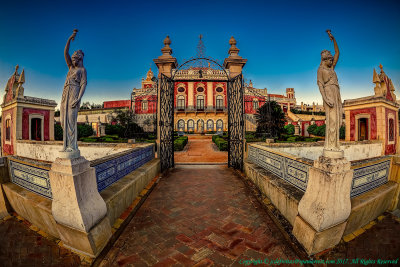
(270, 119)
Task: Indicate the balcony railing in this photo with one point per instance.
(204, 109)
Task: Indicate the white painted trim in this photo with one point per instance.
(36, 116)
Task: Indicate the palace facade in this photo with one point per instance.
(200, 101)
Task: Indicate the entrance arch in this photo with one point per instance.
(202, 67)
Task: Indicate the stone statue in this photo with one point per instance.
(329, 87)
(74, 88)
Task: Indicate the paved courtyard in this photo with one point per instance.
(200, 149)
(199, 216)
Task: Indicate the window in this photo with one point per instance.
(181, 89)
(8, 129)
(144, 105)
(391, 130)
(219, 90)
(200, 89)
(219, 102)
(200, 102)
(255, 104)
(181, 102)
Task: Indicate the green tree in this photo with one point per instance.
(270, 119)
(126, 119)
(84, 130)
(289, 129)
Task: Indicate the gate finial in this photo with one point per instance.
(233, 51)
(166, 50)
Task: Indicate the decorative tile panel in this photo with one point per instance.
(111, 171)
(32, 178)
(293, 171)
(368, 177)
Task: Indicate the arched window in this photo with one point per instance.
(200, 102)
(219, 103)
(255, 104)
(145, 105)
(181, 102)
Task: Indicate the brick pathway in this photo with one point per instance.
(20, 246)
(379, 242)
(201, 150)
(199, 216)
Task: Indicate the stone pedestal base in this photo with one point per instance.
(326, 201)
(269, 140)
(314, 241)
(77, 207)
(88, 243)
(325, 206)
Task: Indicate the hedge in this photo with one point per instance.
(221, 143)
(180, 143)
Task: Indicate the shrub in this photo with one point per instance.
(221, 143)
(321, 130)
(84, 130)
(180, 143)
(58, 132)
(289, 129)
(311, 129)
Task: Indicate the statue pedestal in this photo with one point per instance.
(325, 206)
(78, 208)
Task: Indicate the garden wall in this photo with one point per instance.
(48, 150)
(120, 177)
(283, 177)
(352, 150)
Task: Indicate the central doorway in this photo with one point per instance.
(201, 72)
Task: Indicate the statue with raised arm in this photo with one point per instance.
(74, 89)
(329, 87)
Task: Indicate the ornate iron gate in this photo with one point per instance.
(166, 122)
(235, 122)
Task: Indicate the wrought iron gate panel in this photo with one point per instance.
(235, 122)
(166, 122)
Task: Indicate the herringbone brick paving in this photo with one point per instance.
(199, 216)
(20, 246)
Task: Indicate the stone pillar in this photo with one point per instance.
(165, 63)
(234, 63)
(78, 208)
(325, 206)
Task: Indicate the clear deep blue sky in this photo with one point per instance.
(282, 41)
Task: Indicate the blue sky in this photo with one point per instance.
(282, 41)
